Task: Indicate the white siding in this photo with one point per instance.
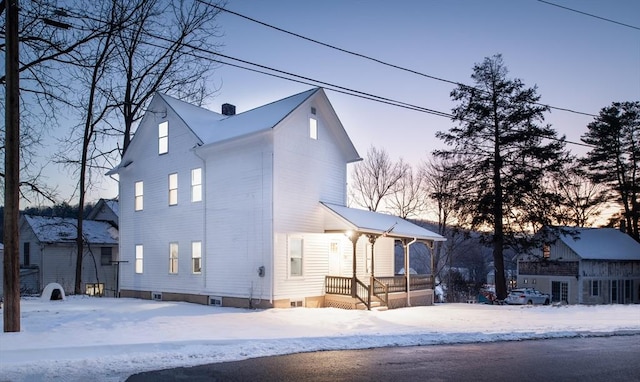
(158, 224)
(306, 171)
(239, 217)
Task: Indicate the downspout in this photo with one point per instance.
(407, 268)
(272, 229)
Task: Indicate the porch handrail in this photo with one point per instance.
(381, 291)
(362, 293)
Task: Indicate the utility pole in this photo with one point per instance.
(11, 310)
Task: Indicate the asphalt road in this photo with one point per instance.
(573, 359)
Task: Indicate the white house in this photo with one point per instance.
(48, 255)
(249, 210)
(585, 266)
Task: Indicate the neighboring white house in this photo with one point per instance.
(585, 266)
(48, 255)
(249, 209)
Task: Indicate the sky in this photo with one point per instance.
(576, 61)
(104, 339)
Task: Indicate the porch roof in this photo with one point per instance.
(341, 218)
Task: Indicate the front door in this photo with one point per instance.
(559, 291)
(335, 265)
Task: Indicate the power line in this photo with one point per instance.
(328, 86)
(372, 58)
(306, 80)
(590, 15)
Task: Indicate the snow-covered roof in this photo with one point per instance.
(212, 127)
(602, 244)
(113, 205)
(341, 218)
(63, 230)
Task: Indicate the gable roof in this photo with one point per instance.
(63, 230)
(108, 204)
(602, 244)
(212, 127)
(341, 218)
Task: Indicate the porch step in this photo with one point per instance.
(375, 305)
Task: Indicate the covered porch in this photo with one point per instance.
(374, 291)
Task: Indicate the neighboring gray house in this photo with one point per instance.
(249, 209)
(48, 254)
(106, 210)
(585, 266)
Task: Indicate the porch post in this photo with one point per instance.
(407, 266)
(354, 287)
(372, 240)
(430, 245)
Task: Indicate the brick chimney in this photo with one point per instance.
(228, 109)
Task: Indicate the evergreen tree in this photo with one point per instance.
(505, 152)
(615, 158)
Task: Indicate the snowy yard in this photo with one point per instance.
(105, 339)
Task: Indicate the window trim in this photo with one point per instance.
(163, 137)
(313, 128)
(138, 196)
(173, 260)
(594, 286)
(173, 189)
(197, 258)
(139, 264)
(196, 188)
(26, 253)
(102, 255)
(290, 258)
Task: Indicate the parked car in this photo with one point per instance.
(528, 296)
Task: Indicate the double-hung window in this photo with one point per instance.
(196, 185)
(139, 258)
(173, 258)
(163, 137)
(173, 189)
(139, 192)
(196, 256)
(295, 257)
(106, 255)
(594, 288)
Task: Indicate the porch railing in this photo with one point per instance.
(337, 285)
(382, 286)
(421, 282)
(381, 291)
(362, 293)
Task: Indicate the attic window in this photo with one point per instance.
(313, 110)
(163, 138)
(546, 251)
(313, 128)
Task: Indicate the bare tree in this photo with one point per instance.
(582, 200)
(47, 43)
(375, 179)
(153, 43)
(156, 58)
(407, 198)
(440, 183)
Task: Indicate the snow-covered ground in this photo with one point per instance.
(103, 339)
